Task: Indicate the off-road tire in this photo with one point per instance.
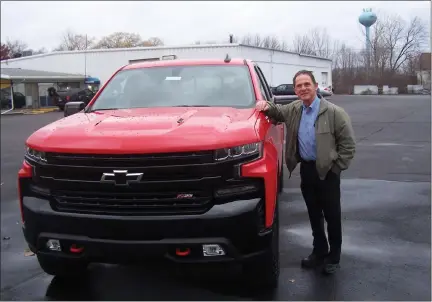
(62, 267)
(264, 271)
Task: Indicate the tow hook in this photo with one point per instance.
(182, 252)
(76, 249)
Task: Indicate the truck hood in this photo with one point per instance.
(148, 130)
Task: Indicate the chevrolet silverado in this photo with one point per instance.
(170, 159)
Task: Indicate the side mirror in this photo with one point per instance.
(73, 107)
(284, 99)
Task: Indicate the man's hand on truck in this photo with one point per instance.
(262, 106)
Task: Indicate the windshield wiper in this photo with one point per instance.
(93, 110)
(101, 109)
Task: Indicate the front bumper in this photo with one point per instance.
(236, 226)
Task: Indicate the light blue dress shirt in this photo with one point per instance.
(306, 133)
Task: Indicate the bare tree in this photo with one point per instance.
(347, 68)
(404, 42)
(126, 40)
(321, 42)
(119, 40)
(153, 41)
(16, 48)
(335, 51)
(4, 52)
(267, 41)
(379, 51)
(394, 41)
(272, 42)
(257, 40)
(72, 41)
(303, 45)
(411, 64)
(395, 46)
(316, 42)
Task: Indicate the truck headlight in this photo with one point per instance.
(35, 155)
(239, 151)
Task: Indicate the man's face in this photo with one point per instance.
(305, 89)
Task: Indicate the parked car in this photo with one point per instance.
(170, 159)
(285, 90)
(325, 91)
(62, 97)
(6, 100)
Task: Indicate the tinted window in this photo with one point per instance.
(264, 83)
(203, 85)
(263, 93)
(281, 87)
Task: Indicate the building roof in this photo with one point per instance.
(154, 48)
(37, 75)
(19, 72)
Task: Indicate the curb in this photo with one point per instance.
(41, 111)
(32, 111)
(13, 113)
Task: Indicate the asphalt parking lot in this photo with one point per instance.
(386, 204)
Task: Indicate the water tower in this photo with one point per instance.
(367, 19)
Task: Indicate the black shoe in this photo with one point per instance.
(313, 260)
(330, 267)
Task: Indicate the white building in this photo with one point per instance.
(33, 85)
(279, 67)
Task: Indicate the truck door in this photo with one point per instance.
(276, 132)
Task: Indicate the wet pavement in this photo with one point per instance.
(386, 204)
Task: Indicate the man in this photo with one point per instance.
(321, 138)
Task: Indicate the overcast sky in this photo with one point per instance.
(41, 24)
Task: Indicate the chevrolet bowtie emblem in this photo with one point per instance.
(121, 177)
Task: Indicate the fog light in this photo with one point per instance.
(53, 245)
(213, 250)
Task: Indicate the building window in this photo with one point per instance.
(68, 85)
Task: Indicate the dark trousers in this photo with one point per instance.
(322, 199)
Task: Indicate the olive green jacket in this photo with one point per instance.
(334, 135)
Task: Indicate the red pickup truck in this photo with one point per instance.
(170, 159)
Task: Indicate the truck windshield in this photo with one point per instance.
(170, 86)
